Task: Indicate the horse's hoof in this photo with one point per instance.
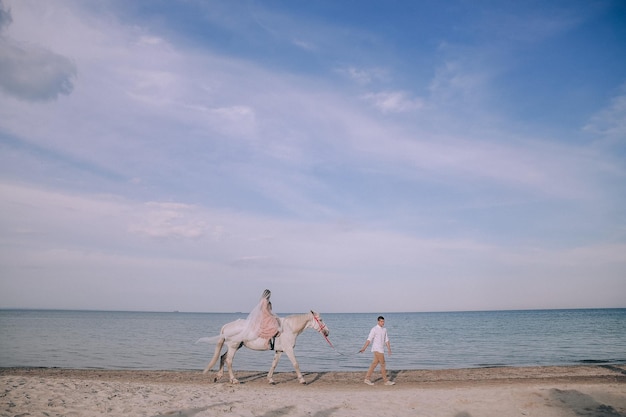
(234, 381)
(271, 381)
(303, 382)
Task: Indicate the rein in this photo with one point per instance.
(322, 327)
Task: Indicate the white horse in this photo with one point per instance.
(292, 326)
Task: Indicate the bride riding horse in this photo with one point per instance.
(233, 334)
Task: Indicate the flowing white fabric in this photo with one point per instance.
(261, 322)
(257, 324)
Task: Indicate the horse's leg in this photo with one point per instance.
(292, 357)
(274, 364)
(218, 349)
(230, 354)
(220, 372)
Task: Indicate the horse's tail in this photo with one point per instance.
(216, 355)
(212, 339)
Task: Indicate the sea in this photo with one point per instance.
(123, 340)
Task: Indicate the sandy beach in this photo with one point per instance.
(598, 391)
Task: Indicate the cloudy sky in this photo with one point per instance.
(352, 156)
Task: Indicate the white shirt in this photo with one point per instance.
(378, 338)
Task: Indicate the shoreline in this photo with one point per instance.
(546, 391)
(560, 373)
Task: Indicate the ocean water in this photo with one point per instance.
(166, 341)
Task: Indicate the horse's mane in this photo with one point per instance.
(305, 315)
(299, 319)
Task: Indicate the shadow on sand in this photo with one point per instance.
(583, 404)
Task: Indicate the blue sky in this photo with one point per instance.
(352, 156)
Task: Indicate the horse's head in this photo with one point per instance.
(318, 324)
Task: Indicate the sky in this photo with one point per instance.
(351, 156)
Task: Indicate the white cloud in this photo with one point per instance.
(364, 75)
(394, 101)
(167, 220)
(83, 239)
(151, 40)
(235, 120)
(32, 72)
(455, 81)
(304, 44)
(609, 124)
(5, 17)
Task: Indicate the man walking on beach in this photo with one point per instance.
(378, 338)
